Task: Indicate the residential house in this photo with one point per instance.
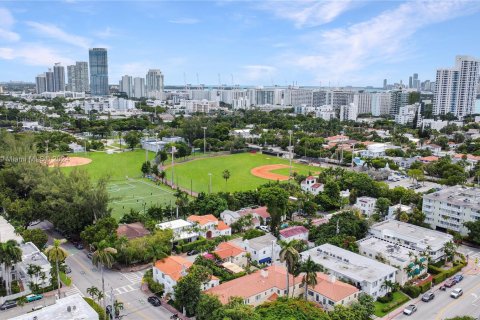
(132, 230)
(366, 274)
(294, 233)
(311, 185)
(262, 249)
(76, 148)
(209, 226)
(409, 263)
(414, 237)
(434, 148)
(258, 287)
(428, 159)
(393, 210)
(230, 252)
(376, 150)
(366, 205)
(31, 255)
(170, 270)
(182, 230)
(329, 292)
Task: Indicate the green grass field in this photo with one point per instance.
(138, 194)
(116, 165)
(195, 173)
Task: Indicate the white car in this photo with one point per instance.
(456, 293)
(410, 309)
(264, 228)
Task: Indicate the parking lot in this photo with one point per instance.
(407, 182)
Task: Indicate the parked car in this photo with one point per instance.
(456, 293)
(458, 278)
(154, 301)
(410, 309)
(89, 255)
(35, 308)
(79, 246)
(34, 297)
(264, 229)
(428, 296)
(450, 283)
(68, 269)
(8, 305)
(192, 252)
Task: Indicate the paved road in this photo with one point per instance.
(443, 306)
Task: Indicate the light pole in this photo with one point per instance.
(210, 184)
(173, 152)
(46, 142)
(204, 139)
(290, 153)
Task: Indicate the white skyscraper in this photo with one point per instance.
(126, 85)
(154, 81)
(58, 77)
(139, 87)
(363, 101)
(41, 83)
(455, 89)
(381, 103)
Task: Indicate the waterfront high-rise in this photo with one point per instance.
(98, 72)
(58, 77)
(154, 81)
(41, 83)
(455, 88)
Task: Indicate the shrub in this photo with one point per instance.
(426, 286)
(155, 287)
(101, 313)
(385, 299)
(439, 278)
(395, 304)
(191, 245)
(411, 291)
(15, 287)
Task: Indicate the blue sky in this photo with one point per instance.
(343, 42)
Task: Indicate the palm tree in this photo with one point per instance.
(55, 253)
(226, 176)
(368, 162)
(408, 269)
(10, 254)
(290, 256)
(162, 175)
(92, 292)
(388, 285)
(103, 257)
(310, 269)
(117, 307)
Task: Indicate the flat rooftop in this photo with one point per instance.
(68, 308)
(174, 224)
(261, 242)
(458, 195)
(395, 254)
(420, 237)
(7, 232)
(31, 255)
(349, 264)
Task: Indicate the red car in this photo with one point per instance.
(450, 283)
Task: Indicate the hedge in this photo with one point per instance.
(101, 313)
(155, 287)
(395, 304)
(444, 274)
(191, 245)
(412, 291)
(426, 286)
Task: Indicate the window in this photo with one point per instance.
(310, 293)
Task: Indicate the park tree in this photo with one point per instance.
(276, 200)
(146, 168)
(103, 229)
(226, 176)
(132, 138)
(161, 157)
(209, 204)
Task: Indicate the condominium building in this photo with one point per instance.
(366, 274)
(450, 208)
(381, 103)
(139, 88)
(366, 205)
(126, 85)
(349, 112)
(455, 89)
(406, 114)
(77, 77)
(154, 82)
(50, 80)
(58, 77)
(409, 263)
(414, 237)
(41, 83)
(98, 60)
(363, 101)
(297, 97)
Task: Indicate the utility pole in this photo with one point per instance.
(353, 153)
(46, 142)
(290, 153)
(338, 228)
(173, 162)
(210, 184)
(204, 139)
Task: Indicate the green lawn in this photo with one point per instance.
(300, 169)
(381, 309)
(138, 194)
(195, 174)
(116, 165)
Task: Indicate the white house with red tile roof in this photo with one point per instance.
(294, 233)
(329, 292)
(337, 138)
(229, 252)
(470, 158)
(270, 283)
(428, 159)
(170, 270)
(263, 285)
(366, 205)
(210, 226)
(310, 184)
(435, 148)
(230, 217)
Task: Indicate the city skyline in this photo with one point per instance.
(308, 43)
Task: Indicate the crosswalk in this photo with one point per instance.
(73, 290)
(133, 277)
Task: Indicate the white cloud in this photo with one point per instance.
(258, 73)
(105, 33)
(185, 21)
(339, 53)
(309, 13)
(56, 33)
(6, 23)
(34, 54)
